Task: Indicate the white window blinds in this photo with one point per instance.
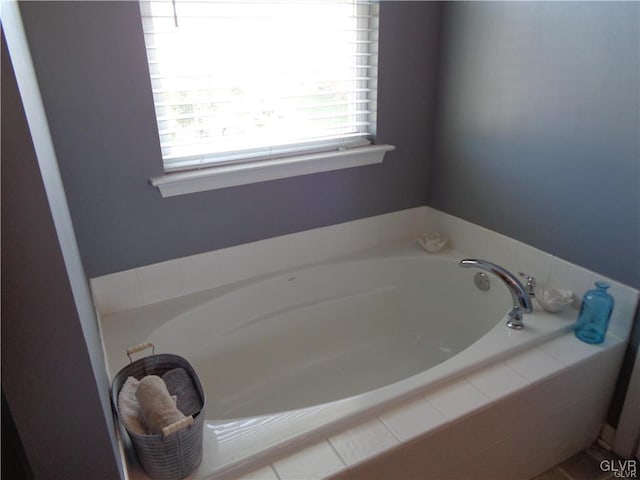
(239, 80)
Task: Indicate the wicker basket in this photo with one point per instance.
(163, 457)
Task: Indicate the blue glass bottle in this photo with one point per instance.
(594, 315)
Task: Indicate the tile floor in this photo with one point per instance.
(586, 465)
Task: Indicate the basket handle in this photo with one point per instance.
(179, 425)
(140, 347)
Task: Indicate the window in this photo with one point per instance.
(249, 81)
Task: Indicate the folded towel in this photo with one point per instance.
(157, 408)
(179, 383)
(129, 407)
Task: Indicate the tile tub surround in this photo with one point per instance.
(513, 419)
(175, 278)
(137, 287)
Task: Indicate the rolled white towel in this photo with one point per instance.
(157, 408)
(129, 407)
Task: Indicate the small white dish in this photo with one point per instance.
(433, 242)
(553, 300)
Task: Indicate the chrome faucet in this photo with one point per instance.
(531, 284)
(520, 296)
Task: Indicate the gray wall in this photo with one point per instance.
(538, 127)
(91, 64)
(53, 373)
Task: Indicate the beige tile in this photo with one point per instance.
(626, 301)
(497, 381)
(413, 419)
(200, 272)
(315, 462)
(401, 225)
(363, 442)
(534, 364)
(457, 399)
(583, 467)
(468, 238)
(534, 262)
(160, 281)
(116, 292)
(503, 251)
(567, 276)
(265, 473)
(568, 349)
(425, 458)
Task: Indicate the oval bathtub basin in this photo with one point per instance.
(331, 331)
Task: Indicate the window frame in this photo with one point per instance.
(200, 173)
(213, 178)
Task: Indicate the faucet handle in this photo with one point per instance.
(531, 283)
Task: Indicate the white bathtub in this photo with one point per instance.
(302, 354)
(330, 332)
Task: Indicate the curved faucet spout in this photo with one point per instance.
(521, 299)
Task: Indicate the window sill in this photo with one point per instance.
(212, 178)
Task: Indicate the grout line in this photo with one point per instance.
(275, 472)
(389, 429)
(559, 470)
(336, 452)
(506, 364)
(344, 462)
